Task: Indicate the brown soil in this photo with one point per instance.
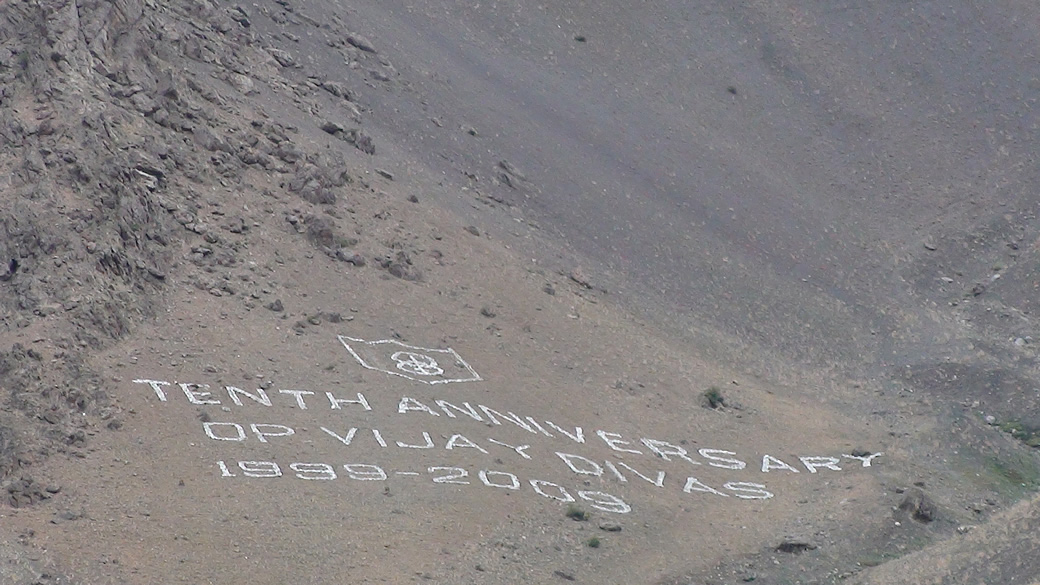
(207, 209)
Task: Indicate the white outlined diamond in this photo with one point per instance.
(420, 364)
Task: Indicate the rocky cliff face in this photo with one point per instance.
(115, 120)
(198, 190)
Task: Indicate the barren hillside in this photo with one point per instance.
(386, 292)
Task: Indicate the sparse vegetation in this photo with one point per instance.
(592, 542)
(575, 512)
(1027, 435)
(1014, 476)
(713, 397)
(876, 559)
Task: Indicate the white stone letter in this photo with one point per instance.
(485, 476)
(337, 403)
(588, 466)
(694, 485)
(156, 386)
(577, 437)
(519, 450)
(275, 431)
(613, 440)
(770, 462)
(428, 445)
(407, 404)
(468, 411)
(240, 433)
(659, 482)
(811, 463)
(345, 440)
(511, 417)
(299, 397)
(663, 450)
(866, 459)
(197, 396)
(723, 462)
(605, 502)
(260, 395)
(748, 491)
(460, 441)
(563, 496)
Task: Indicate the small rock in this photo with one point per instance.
(364, 143)
(990, 419)
(205, 138)
(509, 175)
(356, 259)
(610, 527)
(284, 58)
(549, 290)
(275, 306)
(404, 272)
(919, 506)
(239, 15)
(361, 42)
(929, 246)
(337, 89)
(473, 230)
(47, 309)
(242, 83)
(1020, 342)
(795, 546)
(288, 153)
(333, 128)
(65, 516)
(144, 104)
(978, 289)
(578, 276)
(488, 312)
(385, 174)
(413, 199)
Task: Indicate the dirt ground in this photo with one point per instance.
(393, 293)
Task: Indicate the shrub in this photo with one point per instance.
(713, 396)
(576, 513)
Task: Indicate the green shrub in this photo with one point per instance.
(713, 396)
(575, 512)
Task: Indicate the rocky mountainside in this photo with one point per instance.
(120, 119)
(244, 247)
